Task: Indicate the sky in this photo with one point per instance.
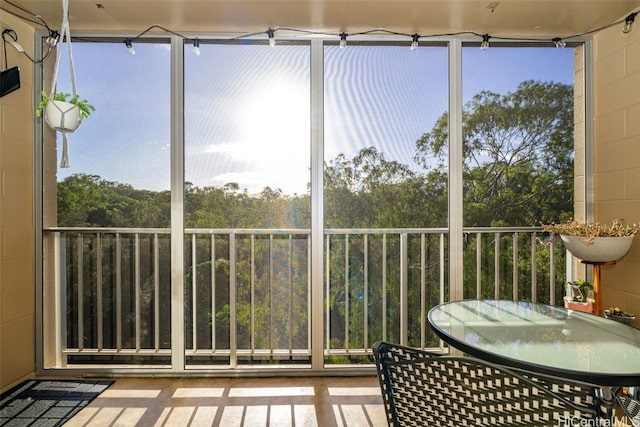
(247, 114)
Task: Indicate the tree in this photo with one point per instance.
(518, 154)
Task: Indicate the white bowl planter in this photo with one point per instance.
(598, 249)
(62, 116)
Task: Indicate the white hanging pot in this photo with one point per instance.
(62, 116)
(598, 249)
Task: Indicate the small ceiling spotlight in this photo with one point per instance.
(272, 37)
(628, 22)
(485, 42)
(414, 41)
(559, 43)
(196, 46)
(343, 40)
(52, 38)
(129, 44)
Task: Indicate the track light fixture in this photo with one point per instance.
(628, 22)
(129, 44)
(343, 40)
(272, 37)
(414, 41)
(196, 46)
(558, 42)
(485, 42)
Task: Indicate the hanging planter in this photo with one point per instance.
(62, 116)
(598, 249)
(64, 112)
(594, 242)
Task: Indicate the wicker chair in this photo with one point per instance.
(423, 389)
(631, 409)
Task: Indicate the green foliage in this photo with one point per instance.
(89, 201)
(518, 154)
(83, 104)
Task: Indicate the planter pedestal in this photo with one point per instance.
(597, 296)
(597, 251)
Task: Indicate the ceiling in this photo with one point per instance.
(534, 18)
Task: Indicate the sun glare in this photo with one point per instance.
(273, 142)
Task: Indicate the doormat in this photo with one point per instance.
(47, 402)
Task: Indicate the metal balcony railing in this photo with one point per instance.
(247, 293)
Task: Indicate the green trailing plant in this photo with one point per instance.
(585, 290)
(589, 230)
(85, 108)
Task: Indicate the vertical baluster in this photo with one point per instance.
(516, 254)
(365, 314)
(478, 265)
(552, 271)
(80, 296)
(496, 265)
(328, 292)
(137, 289)
(290, 322)
(118, 293)
(309, 298)
(99, 280)
(213, 292)
(534, 270)
(404, 289)
(194, 293)
(60, 298)
(156, 292)
(442, 268)
(346, 292)
(232, 301)
(253, 294)
(423, 291)
(384, 287)
(271, 296)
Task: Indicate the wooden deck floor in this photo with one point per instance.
(308, 401)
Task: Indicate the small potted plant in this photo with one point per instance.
(593, 241)
(64, 112)
(616, 314)
(579, 296)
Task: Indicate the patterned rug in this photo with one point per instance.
(47, 402)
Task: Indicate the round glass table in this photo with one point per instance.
(542, 338)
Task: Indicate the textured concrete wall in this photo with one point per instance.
(617, 155)
(17, 336)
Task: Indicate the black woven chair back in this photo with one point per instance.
(631, 409)
(423, 389)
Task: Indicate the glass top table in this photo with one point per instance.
(542, 338)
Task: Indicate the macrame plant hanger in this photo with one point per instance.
(65, 35)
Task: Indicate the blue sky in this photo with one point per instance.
(247, 107)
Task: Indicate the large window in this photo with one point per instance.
(380, 101)
(116, 280)
(518, 142)
(247, 165)
(229, 255)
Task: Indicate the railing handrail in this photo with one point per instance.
(430, 230)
